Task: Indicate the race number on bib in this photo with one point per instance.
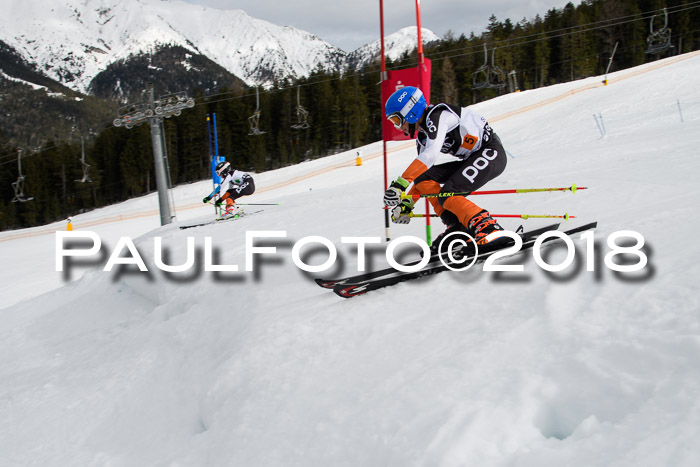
(469, 142)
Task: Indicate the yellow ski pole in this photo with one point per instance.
(566, 217)
(572, 189)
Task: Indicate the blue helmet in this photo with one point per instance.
(405, 105)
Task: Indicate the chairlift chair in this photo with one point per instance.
(18, 186)
(488, 76)
(659, 41)
(86, 176)
(302, 115)
(254, 119)
(480, 78)
(85, 165)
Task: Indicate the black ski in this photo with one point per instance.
(331, 283)
(347, 290)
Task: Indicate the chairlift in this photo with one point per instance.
(18, 186)
(302, 115)
(85, 165)
(254, 119)
(659, 41)
(488, 76)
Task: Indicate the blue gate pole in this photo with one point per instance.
(211, 154)
(216, 159)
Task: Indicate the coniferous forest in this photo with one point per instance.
(344, 111)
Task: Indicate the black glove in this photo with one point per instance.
(218, 202)
(206, 199)
(392, 196)
(401, 214)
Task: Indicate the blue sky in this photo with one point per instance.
(349, 27)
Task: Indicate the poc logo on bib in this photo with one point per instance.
(480, 163)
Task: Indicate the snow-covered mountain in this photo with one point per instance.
(72, 41)
(396, 44)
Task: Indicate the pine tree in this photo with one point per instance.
(635, 34)
(449, 92)
(541, 55)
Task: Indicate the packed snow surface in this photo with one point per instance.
(265, 368)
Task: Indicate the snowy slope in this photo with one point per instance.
(518, 369)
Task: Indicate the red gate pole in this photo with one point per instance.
(421, 64)
(382, 78)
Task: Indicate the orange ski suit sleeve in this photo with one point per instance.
(414, 170)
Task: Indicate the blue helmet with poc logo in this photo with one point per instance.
(405, 105)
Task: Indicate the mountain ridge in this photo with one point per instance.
(73, 41)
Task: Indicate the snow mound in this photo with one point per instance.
(265, 368)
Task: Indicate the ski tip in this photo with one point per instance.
(347, 291)
(326, 284)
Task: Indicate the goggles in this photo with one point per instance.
(397, 119)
